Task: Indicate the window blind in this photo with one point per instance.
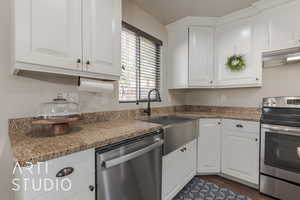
(141, 61)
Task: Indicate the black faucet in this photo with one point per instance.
(148, 110)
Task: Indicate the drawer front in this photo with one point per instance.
(241, 126)
(209, 122)
(80, 176)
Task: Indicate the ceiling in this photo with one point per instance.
(167, 11)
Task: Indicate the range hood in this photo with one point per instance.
(281, 57)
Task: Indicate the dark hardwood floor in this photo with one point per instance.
(236, 187)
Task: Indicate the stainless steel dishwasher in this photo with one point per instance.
(130, 170)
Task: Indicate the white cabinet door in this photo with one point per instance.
(48, 33)
(179, 167)
(201, 51)
(102, 36)
(177, 57)
(42, 181)
(240, 153)
(190, 159)
(283, 29)
(238, 38)
(209, 146)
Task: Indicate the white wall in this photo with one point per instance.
(279, 81)
(21, 96)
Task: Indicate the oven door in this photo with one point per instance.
(280, 152)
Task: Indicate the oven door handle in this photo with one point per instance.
(282, 129)
(130, 156)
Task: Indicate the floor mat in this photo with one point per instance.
(199, 189)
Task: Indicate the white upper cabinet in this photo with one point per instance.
(209, 146)
(102, 39)
(283, 29)
(48, 33)
(201, 61)
(238, 38)
(177, 57)
(71, 37)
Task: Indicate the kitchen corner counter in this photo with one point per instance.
(37, 146)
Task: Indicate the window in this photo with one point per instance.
(141, 58)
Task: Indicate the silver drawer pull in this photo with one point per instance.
(239, 126)
(183, 149)
(65, 172)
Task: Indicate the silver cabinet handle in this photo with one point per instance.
(65, 172)
(183, 149)
(130, 156)
(87, 63)
(91, 187)
(78, 62)
(298, 152)
(239, 126)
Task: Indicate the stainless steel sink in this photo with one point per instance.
(178, 131)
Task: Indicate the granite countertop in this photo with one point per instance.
(37, 146)
(236, 116)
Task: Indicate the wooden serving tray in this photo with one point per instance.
(59, 126)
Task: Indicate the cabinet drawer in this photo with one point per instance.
(241, 126)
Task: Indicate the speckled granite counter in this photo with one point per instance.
(37, 146)
(236, 116)
(34, 144)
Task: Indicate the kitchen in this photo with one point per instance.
(39, 62)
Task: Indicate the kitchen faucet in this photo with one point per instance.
(148, 110)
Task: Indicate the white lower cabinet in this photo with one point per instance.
(209, 146)
(40, 181)
(240, 150)
(229, 147)
(179, 167)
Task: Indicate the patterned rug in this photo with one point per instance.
(199, 189)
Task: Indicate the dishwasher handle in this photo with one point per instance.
(130, 156)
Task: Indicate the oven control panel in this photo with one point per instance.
(282, 102)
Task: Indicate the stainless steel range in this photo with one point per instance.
(280, 148)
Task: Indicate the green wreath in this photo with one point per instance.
(236, 63)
